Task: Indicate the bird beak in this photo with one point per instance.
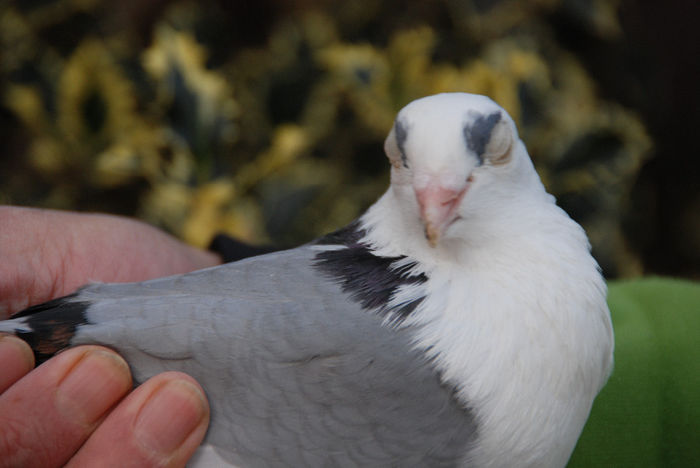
(438, 209)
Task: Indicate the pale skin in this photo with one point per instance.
(80, 408)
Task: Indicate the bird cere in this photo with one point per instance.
(461, 321)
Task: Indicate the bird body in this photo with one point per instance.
(461, 321)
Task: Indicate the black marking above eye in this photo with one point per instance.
(478, 134)
(401, 133)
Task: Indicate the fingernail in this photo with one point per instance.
(93, 384)
(169, 416)
(17, 359)
(10, 343)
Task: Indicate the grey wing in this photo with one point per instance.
(297, 373)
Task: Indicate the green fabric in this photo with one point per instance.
(648, 415)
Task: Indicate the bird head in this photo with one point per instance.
(450, 153)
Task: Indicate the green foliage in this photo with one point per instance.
(281, 140)
(648, 415)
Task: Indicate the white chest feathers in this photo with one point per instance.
(528, 343)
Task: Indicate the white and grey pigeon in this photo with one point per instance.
(461, 321)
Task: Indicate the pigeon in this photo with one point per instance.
(460, 321)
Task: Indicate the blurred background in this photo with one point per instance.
(265, 120)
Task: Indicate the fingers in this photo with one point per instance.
(16, 360)
(71, 410)
(47, 253)
(160, 424)
(48, 414)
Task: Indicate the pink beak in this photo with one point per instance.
(438, 207)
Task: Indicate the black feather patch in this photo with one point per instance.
(370, 279)
(232, 250)
(401, 133)
(350, 235)
(478, 135)
(51, 326)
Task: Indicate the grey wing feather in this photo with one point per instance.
(297, 373)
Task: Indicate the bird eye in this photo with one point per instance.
(394, 145)
(488, 137)
(497, 150)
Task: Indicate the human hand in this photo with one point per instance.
(47, 254)
(76, 410)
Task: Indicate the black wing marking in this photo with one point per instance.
(370, 279)
(50, 327)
